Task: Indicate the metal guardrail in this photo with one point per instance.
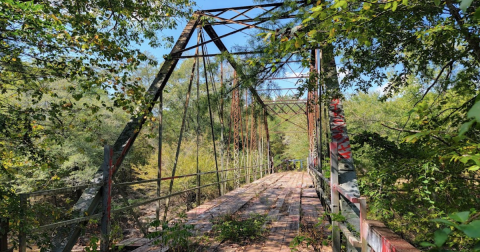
(372, 235)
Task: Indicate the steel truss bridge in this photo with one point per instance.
(249, 152)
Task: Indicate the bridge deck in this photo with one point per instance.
(288, 199)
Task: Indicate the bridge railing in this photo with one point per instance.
(348, 214)
(105, 184)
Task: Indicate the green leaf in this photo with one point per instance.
(437, 2)
(426, 244)
(447, 222)
(474, 168)
(77, 96)
(465, 127)
(460, 216)
(339, 4)
(476, 247)
(405, 2)
(394, 6)
(465, 159)
(477, 13)
(474, 112)
(472, 229)
(465, 4)
(441, 236)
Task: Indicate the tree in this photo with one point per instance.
(88, 43)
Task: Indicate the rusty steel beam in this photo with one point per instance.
(218, 42)
(312, 104)
(212, 55)
(290, 132)
(246, 7)
(254, 20)
(216, 38)
(286, 78)
(267, 134)
(231, 21)
(302, 101)
(90, 198)
(275, 89)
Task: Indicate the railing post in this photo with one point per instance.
(22, 234)
(363, 218)
(4, 228)
(106, 198)
(198, 198)
(335, 200)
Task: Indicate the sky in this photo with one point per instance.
(238, 39)
(230, 41)
(200, 5)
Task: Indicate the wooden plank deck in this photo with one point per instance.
(287, 198)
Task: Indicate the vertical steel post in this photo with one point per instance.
(318, 109)
(198, 196)
(312, 103)
(160, 138)
(261, 153)
(22, 233)
(335, 200)
(363, 227)
(269, 152)
(4, 229)
(222, 126)
(106, 198)
(235, 118)
(253, 144)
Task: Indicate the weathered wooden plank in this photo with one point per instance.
(309, 193)
(132, 243)
(279, 228)
(128, 241)
(293, 218)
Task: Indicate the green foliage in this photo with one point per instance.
(311, 235)
(176, 234)
(237, 229)
(337, 217)
(426, 167)
(299, 240)
(92, 245)
(459, 225)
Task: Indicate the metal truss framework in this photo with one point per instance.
(286, 102)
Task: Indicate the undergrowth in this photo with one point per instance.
(312, 235)
(236, 229)
(177, 234)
